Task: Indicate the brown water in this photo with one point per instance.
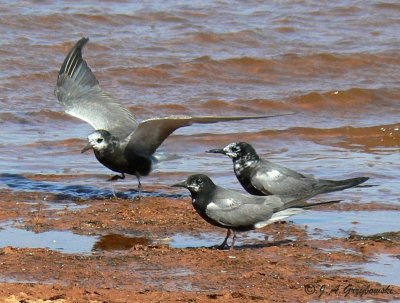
(336, 64)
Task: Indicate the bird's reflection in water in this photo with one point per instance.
(113, 242)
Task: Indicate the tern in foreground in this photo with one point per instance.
(261, 177)
(119, 142)
(240, 212)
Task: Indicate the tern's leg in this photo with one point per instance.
(139, 197)
(115, 178)
(233, 240)
(223, 245)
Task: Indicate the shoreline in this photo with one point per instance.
(278, 270)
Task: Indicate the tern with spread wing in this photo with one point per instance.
(119, 142)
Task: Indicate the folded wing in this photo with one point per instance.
(279, 180)
(79, 92)
(235, 213)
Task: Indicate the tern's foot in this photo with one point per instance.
(224, 246)
(137, 198)
(116, 177)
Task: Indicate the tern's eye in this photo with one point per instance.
(99, 140)
(199, 181)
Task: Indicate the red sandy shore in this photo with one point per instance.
(151, 271)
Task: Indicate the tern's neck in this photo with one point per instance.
(200, 198)
(246, 160)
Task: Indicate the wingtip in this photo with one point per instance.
(361, 180)
(73, 57)
(81, 42)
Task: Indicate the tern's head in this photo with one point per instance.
(237, 150)
(197, 184)
(99, 140)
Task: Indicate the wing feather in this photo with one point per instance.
(240, 216)
(234, 209)
(151, 133)
(280, 180)
(79, 91)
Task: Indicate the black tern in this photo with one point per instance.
(240, 212)
(119, 142)
(261, 177)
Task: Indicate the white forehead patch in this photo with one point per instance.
(229, 152)
(94, 136)
(93, 139)
(230, 146)
(273, 173)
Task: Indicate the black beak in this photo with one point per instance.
(216, 151)
(180, 184)
(86, 148)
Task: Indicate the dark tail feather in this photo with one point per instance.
(311, 205)
(327, 186)
(301, 203)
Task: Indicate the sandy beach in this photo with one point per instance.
(119, 267)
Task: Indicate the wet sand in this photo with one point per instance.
(290, 266)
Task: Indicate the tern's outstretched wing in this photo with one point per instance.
(79, 91)
(150, 133)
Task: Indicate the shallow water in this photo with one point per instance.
(64, 241)
(336, 64)
(326, 224)
(383, 269)
(68, 242)
(211, 239)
